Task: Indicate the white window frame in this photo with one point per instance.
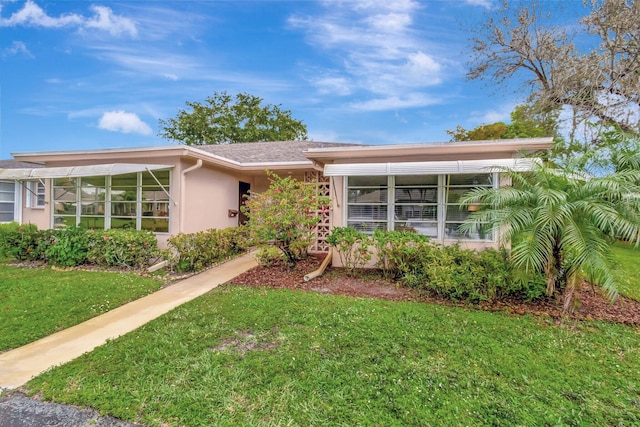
(17, 201)
(36, 191)
(442, 205)
(108, 201)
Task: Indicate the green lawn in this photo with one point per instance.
(37, 302)
(244, 356)
(627, 269)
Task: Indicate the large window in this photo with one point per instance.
(7, 201)
(136, 200)
(426, 204)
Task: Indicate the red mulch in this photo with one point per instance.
(591, 304)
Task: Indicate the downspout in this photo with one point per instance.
(198, 165)
(320, 269)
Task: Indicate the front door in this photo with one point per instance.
(243, 191)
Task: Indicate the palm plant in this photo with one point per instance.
(562, 224)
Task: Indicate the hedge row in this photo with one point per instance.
(75, 246)
(197, 251)
(447, 271)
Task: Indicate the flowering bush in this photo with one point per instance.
(285, 216)
(20, 241)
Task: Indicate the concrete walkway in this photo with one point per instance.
(20, 365)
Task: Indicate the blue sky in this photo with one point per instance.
(100, 74)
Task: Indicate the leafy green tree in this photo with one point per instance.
(285, 215)
(480, 133)
(224, 119)
(561, 224)
(526, 122)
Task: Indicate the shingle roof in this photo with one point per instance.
(264, 152)
(14, 164)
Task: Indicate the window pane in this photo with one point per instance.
(367, 227)
(64, 194)
(454, 213)
(367, 195)
(155, 209)
(123, 223)
(414, 180)
(92, 208)
(6, 216)
(472, 180)
(94, 181)
(6, 197)
(429, 229)
(161, 176)
(367, 213)
(152, 194)
(65, 208)
(92, 222)
(158, 225)
(64, 221)
(367, 181)
(126, 209)
(64, 182)
(481, 232)
(416, 195)
(93, 193)
(127, 180)
(455, 194)
(7, 186)
(419, 212)
(124, 194)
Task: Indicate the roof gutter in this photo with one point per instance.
(183, 196)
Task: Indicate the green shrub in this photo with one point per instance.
(466, 275)
(352, 246)
(285, 215)
(196, 251)
(269, 256)
(123, 248)
(69, 247)
(22, 242)
(398, 251)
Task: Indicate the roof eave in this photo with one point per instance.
(449, 148)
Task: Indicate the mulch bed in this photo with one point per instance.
(592, 305)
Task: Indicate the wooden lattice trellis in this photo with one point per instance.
(323, 185)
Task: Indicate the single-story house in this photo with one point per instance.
(179, 188)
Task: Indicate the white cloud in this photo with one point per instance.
(487, 4)
(396, 102)
(32, 15)
(121, 121)
(335, 85)
(105, 20)
(17, 48)
(377, 49)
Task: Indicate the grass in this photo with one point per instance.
(244, 356)
(627, 258)
(37, 302)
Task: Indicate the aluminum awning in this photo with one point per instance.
(78, 171)
(428, 168)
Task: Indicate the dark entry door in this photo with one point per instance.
(243, 191)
